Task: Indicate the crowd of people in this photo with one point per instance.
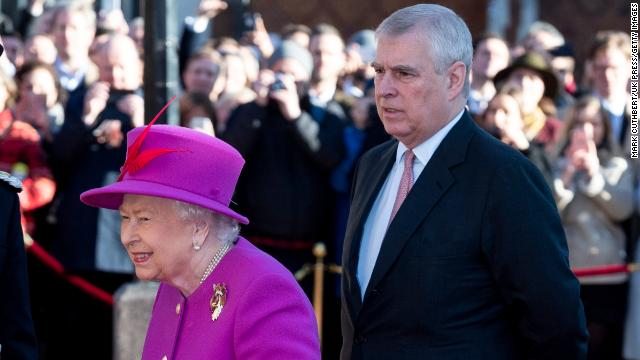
(299, 106)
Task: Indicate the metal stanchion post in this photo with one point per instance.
(319, 251)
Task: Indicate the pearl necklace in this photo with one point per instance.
(214, 262)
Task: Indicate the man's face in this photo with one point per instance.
(411, 98)
(491, 56)
(563, 67)
(611, 72)
(71, 35)
(328, 56)
(119, 66)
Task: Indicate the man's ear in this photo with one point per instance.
(456, 75)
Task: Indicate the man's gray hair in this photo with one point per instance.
(224, 228)
(447, 33)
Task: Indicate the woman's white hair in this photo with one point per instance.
(224, 228)
(447, 33)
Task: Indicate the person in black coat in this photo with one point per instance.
(469, 261)
(17, 336)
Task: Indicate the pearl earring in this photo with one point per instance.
(196, 247)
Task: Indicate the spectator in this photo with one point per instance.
(202, 74)
(360, 52)
(491, 55)
(14, 49)
(40, 48)
(73, 27)
(40, 99)
(87, 242)
(197, 112)
(237, 89)
(289, 155)
(563, 63)
(298, 33)
(541, 37)
(610, 63)
(22, 156)
(327, 49)
(531, 74)
(593, 188)
(503, 119)
(197, 29)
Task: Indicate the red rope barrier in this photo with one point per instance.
(57, 267)
(606, 269)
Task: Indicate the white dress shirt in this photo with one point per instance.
(377, 222)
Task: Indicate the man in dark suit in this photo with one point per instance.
(17, 337)
(454, 248)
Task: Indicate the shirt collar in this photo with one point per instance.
(425, 151)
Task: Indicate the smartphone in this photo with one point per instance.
(202, 124)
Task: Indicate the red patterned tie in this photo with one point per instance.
(405, 182)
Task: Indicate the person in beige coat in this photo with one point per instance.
(593, 188)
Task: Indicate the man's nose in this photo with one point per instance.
(385, 86)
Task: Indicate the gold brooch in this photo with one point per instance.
(218, 300)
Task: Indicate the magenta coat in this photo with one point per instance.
(266, 315)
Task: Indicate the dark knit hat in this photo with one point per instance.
(290, 50)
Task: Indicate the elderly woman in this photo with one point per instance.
(220, 297)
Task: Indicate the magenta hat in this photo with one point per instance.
(178, 163)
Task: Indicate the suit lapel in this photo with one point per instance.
(373, 175)
(433, 183)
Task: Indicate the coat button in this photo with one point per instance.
(360, 340)
(178, 309)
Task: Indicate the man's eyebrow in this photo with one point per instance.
(404, 68)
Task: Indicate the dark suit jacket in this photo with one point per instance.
(17, 336)
(474, 265)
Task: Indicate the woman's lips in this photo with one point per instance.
(140, 257)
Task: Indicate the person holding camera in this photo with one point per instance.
(87, 241)
(290, 155)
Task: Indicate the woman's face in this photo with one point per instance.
(157, 240)
(40, 82)
(531, 84)
(591, 115)
(503, 111)
(201, 75)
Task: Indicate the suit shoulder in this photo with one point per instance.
(10, 182)
(377, 151)
(493, 152)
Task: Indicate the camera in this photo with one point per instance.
(249, 21)
(278, 84)
(116, 95)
